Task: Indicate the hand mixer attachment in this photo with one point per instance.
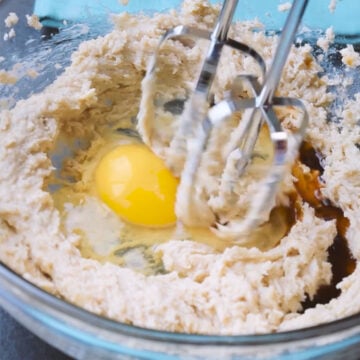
(200, 117)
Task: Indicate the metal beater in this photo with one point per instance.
(260, 107)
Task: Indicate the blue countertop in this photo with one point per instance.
(17, 343)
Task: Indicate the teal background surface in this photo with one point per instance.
(345, 19)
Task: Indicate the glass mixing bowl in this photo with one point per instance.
(84, 335)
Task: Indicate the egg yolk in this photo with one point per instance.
(136, 185)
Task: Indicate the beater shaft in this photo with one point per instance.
(217, 41)
(285, 42)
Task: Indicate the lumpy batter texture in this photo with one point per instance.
(197, 288)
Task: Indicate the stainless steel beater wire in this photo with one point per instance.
(262, 110)
(285, 42)
(218, 39)
(264, 100)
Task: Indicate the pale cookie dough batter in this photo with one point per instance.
(201, 288)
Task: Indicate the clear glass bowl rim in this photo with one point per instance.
(182, 338)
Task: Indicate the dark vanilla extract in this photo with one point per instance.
(339, 255)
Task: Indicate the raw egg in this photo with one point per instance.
(137, 186)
